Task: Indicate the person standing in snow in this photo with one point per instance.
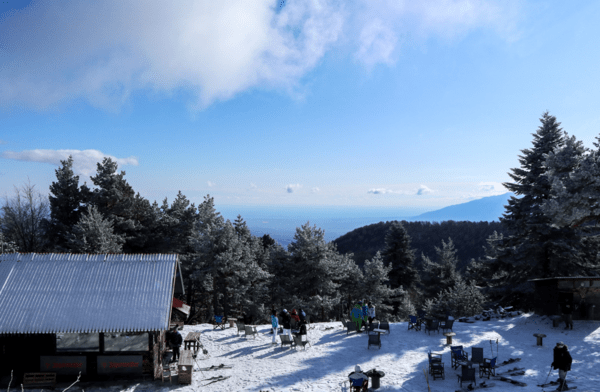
(562, 362)
(567, 310)
(358, 379)
(286, 321)
(365, 312)
(275, 325)
(371, 313)
(302, 315)
(175, 341)
(356, 316)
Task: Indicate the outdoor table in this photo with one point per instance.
(448, 336)
(191, 341)
(467, 363)
(539, 337)
(379, 331)
(375, 376)
(231, 322)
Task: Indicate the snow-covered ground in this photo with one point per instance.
(259, 366)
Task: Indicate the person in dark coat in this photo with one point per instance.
(567, 310)
(562, 362)
(302, 315)
(175, 341)
(286, 322)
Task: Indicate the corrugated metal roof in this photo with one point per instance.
(52, 292)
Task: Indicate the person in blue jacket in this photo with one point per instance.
(275, 325)
(365, 312)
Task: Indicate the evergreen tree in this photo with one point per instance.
(116, 201)
(461, 300)
(230, 264)
(482, 270)
(441, 274)
(94, 234)
(400, 257)
(316, 265)
(376, 287)
(66, 203)
(533, 248)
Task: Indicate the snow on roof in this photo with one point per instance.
(60, 292)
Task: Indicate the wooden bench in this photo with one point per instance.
(185, 367)
(192, 341)
(36, 380)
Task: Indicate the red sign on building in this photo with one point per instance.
(63, 364)
(120, 364)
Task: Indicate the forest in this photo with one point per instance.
(549, 228)
(469, 238)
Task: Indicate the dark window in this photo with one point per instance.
(77, 342)
(126, 341)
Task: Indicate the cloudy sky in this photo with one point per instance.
(293, 102)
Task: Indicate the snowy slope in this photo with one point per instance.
(257, 365)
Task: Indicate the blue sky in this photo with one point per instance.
(296, 103)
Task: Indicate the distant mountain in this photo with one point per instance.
(486, 209)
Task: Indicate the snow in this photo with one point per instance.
(259, 366)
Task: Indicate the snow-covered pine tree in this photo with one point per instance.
(481, 271)
(399, 255)
(441, 274)
(6, 246)
(376, 289)
(66, 204)
(461, 300)
(533, 248)
(316, 267)
(94, 234)
(116, 201)
(574, 202)
(352, 287)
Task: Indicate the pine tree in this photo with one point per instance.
(376, 287)
(400, 257)
(441, 274)
(461, 300)
(94, 234)
(533, 248)
(117, 202)
(66, 203)
(316, 269)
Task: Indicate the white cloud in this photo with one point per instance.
(253, 185)
(315, 190)
(55, 52)
(103, 51)
(292, 188)
(84, 161)
(379, 191)
(423, 190)
(210, 184)
(491, 187)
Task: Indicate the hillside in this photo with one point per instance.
(469, 238)
(485, 209)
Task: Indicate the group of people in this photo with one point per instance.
(286, 322)
(363, 311)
